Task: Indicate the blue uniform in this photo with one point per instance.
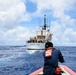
(53, 60)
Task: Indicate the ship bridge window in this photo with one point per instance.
(40, 37)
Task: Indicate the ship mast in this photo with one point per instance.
(44, 22)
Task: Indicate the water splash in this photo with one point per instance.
(31, 51)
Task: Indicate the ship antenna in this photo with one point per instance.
(44, 22)
(49, 25)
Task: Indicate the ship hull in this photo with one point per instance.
(35, 46)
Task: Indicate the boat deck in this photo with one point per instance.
(65, 69)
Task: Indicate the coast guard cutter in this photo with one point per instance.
(43, 35)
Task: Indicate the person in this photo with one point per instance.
(51, 60)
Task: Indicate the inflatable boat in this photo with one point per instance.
(66, 71)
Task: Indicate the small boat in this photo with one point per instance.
(66, 71)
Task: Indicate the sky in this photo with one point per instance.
(19, 19)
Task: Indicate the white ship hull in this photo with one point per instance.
(35, 46)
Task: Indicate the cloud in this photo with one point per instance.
(11, 12)
(58, 8)
(17, 36)
(70, 34)
(26, 17)
(63, 28)
(63, 34)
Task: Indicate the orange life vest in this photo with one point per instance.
(48, 52)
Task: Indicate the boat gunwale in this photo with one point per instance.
(37, 71)
(71, 72)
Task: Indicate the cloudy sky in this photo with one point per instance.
(19, 20)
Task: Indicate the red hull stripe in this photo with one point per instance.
(68, 70)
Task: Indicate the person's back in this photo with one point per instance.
(52, 61)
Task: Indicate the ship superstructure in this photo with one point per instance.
(43, 35)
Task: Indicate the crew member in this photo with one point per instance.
(51, 58)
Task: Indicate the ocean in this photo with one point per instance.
(17, 60)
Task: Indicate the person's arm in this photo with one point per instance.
(61, 59)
